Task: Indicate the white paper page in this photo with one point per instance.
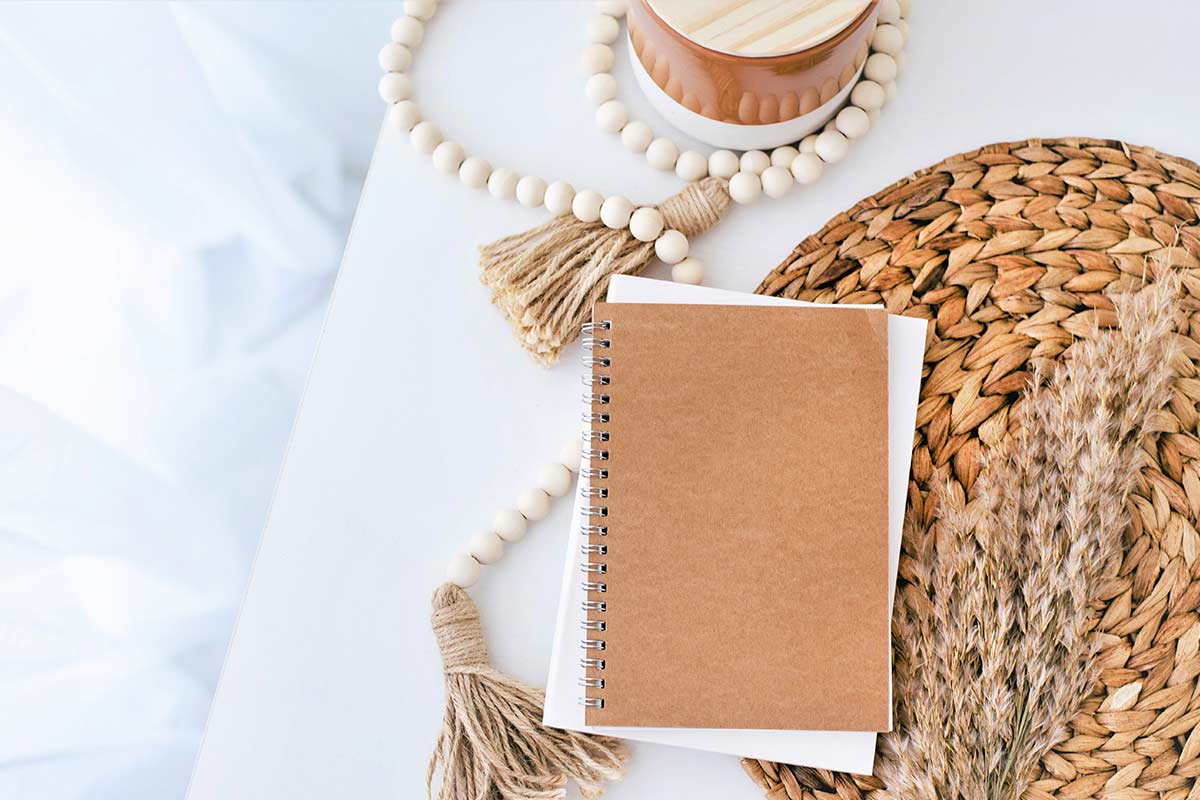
(844, 751)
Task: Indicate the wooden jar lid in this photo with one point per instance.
(758, 27)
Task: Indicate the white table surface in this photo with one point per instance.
(422, 415)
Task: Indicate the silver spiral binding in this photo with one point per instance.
(595, 439)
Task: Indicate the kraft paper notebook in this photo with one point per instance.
(737, 556)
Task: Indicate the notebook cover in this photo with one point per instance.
(745, 581)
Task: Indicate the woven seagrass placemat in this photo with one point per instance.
(1010, 250)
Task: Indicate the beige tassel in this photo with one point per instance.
(547, 278)
(493, 744)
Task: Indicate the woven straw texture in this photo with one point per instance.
(1010, 251)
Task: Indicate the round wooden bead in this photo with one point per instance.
(603, 29)
(689, 271)
(613, 8)
(783, 156)
(671, 247)
(462, 570)
(902, 24)
(880, 68)
(601, 88)
(754, 162)
(889, 91)
(510, 525)
(853, 122)
(646, 224)
(615, 212)
(691, 166)
(597, 58)
(636, 135)
(571, 454)
(901, 60)
(534, 504)
(554, 480)
(425, 137)
(486, 548)
(808, 144)
(408, 31)
(611, 116)
(887, 39)
(558, 197)
(586, 205)
(807, 168)
(776, 181)
(404, 115)
(531, 191)
(889, 11)
(474, 172)
(832, 146)
(421, 9)
(448, 157)
(503, 183)
(394, 87)
(662, 154)
(723, 164)
(395, 57)
(745, 187)
(867, 95)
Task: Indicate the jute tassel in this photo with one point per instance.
(493, 744)
(547, 278)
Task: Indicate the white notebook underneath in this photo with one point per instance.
(844, 751)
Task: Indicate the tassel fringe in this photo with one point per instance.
(547, 279)
(493, 744)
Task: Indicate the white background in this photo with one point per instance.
(135, 484)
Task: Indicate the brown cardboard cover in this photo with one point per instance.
(747, 518)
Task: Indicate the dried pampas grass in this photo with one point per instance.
(993, 646)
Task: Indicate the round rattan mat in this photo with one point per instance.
(1010, 251)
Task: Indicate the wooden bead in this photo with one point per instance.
(889, 11)
(598, 58)
(603, 29)
(615, 212)
(889, 91)
(671, 247)
(691, 166)
(783, 156)
(867, 95)
(571, 454)
(448, 157)
(689, 271)
(558, 197)
(853, 122)
(421, 9)
(636, 135)
(880, 68)
(395, 57)
(745, 187)
(902, 24)
(808, 144)
(662, 154)
(776, 181)
(462, 570)
(586, 205)
(531, 191)
(887, 39)
(601, 88)
(554, 480)
(832, 146)
(754, 162)
(646, 224)
(486, 548)
(394, 87)
(408, 31)
(723, 164)
(901, 60)
(807, 168)
(612, 116)
(534, 504)
(613, 8)
(474, 172)
(503, 183)
(510, 525)
(404, 115)
(425, 137)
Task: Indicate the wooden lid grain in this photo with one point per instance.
(758, 28)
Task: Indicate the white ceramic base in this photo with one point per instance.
(730, 135)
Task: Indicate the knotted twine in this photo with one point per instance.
(547, 279)
(493, 744)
